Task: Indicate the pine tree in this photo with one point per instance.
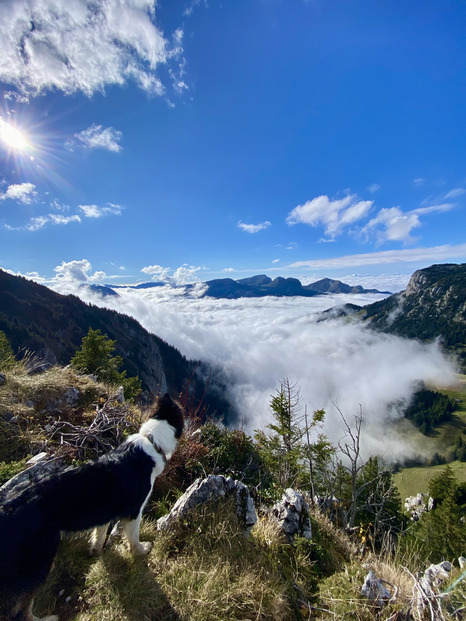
(7, 358)
(95, 357)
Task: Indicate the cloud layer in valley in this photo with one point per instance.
(258, 342)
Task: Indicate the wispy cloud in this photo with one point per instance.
(254, 228)
(20, 192)
(441, 208)
(419, 181)
(455, 193)
(385, 257)
(38, 222)
(94, 211)
(96, 137)
(334, 215)
(14, 96)
(373, 188)
(81, 46)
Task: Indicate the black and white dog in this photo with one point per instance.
(115, 487)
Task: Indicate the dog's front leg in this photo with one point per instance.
(131, 530)
(97, 540)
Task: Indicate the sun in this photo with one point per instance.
(12, 137)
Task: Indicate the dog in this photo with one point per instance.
(116, 487)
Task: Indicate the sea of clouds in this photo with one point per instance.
(257, 342)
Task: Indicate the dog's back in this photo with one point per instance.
(76, 499)
(115, 487)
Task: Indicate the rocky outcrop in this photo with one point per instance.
(210, 489)
(292, 513)
(416, 506)
(39, 466)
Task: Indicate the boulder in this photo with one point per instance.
(374, 590)
(40, 468)
(207, 490)
(292, 512)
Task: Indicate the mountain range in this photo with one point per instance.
(52, 325)
(254, 287)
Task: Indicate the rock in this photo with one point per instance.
(210, 489)
(35, 472)
(434, 575)
(374, 590)
(70, 398)
(462, 562)
(2, 379)
(35, 368)
(37, 458)
(417, 505)
(119, 396)
(292, 512)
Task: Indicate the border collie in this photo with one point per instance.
(115, 487)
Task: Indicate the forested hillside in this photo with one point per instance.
(52, 326)
(433, 306)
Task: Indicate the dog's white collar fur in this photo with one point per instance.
(160, 434)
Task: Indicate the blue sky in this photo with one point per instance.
(197, 140)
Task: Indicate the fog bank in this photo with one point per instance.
(259, 341)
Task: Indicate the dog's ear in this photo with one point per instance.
(171, 411)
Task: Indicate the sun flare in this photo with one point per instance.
(12, 137)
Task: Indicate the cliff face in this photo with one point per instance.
(433, 305)
(52, 325)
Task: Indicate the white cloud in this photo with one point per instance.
(70, 273)
(441, 208)
(59, 219)
(78, 45)
(20, 192)
(396, 225)
(94, 211)
(373, 188)
(14, 96)
(386, 257)
(36, 223)
(157, 272)
(95, 137)
(185, 275)
(253, 228)
(455, 193)
(333, 215)
(419, 181)
(256, 343)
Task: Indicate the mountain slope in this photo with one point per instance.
(52, 325)
(433, 305)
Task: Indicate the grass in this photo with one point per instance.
(411, 481)
(205, 570)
